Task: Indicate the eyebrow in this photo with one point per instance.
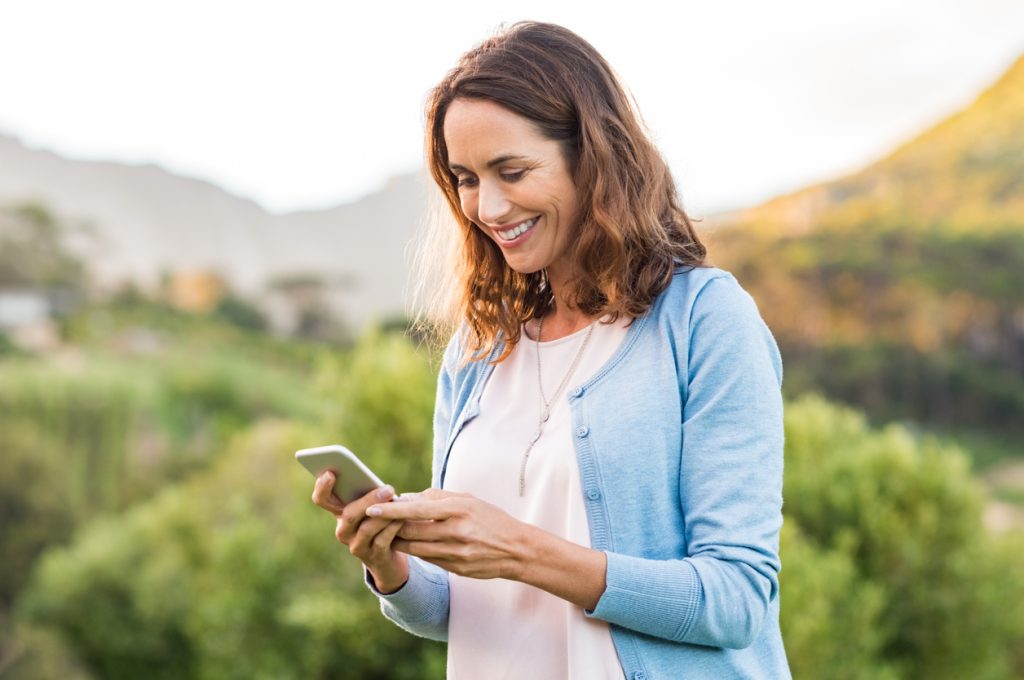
(454, 167)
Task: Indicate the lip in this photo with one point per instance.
(518, 239)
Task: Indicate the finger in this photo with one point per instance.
(425, 549)
(355, 512)
(384, 540)
(416, 510)
(412, 530)
(364, 535)
(418, 496)
(382, 495)
(323, 493)
(357, 534)
(369, 528)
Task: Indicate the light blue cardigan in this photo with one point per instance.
(679, 441)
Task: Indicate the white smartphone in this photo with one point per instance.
(352, 478)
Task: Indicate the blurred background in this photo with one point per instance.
(207, 213)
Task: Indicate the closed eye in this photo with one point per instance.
(513, 176)
(510, 177)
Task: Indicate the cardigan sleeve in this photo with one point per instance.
(421, 605)
(730, 487)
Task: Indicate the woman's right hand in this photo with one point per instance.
(368, 538)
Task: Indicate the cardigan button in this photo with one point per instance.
(582, 431)
(593, 494)
(639, 675)
(577, 391)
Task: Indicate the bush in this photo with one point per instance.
(896, 521)
(236, 573)
(888, 572)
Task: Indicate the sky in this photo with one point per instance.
(307, 104)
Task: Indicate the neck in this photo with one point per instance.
(563, 319)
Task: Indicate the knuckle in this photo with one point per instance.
(357, 545)
(342, 531)
(457, 507)
(380, 542)
(349, 515)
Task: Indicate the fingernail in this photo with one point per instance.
(373, 511)
(385, 492)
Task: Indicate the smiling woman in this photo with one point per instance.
(607, 466)
(524, 201)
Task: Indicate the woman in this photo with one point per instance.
(607, 471)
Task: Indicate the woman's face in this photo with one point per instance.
(514, 184)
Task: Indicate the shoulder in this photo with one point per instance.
(459, 370)
(698, 290)
(708, 310)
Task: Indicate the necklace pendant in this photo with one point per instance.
(545, 414)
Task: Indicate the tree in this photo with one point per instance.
(32, 251)
(887, 569)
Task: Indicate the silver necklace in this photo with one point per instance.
(545, 404)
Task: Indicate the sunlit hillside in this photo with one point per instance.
(967, 171)
(901, 288)
(154, 524)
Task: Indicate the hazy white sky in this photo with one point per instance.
(305, 104)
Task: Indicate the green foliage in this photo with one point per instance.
(7, 347)
(119, 428)
(831, 614)
(919, 256)
(76, 422)
(895, 521)
(238, 312)
(34, 653)
(888, 572)
(32, 252)
(892, 381)
(382, 404)
(94, 431)
(236, 573)
(905, 320)
(32, 514)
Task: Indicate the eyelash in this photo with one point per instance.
(508, 177)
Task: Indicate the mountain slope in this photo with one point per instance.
(968, 171)
(147, 221)
(901, 287)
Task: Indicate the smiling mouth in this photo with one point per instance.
(517, 231)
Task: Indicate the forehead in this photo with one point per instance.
(477, 130)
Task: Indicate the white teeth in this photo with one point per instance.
(517, 231)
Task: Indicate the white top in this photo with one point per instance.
(499, 628)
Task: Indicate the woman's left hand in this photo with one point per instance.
(459, 533)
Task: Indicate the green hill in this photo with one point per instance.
(901, 287)
(968, 170)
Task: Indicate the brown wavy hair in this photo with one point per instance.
(632, 230)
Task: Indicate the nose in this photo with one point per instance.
(492, 203)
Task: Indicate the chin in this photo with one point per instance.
(523, 267)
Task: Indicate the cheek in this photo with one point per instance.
(468, 206)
